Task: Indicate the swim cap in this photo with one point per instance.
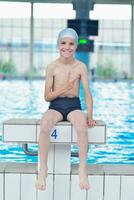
(68, 32)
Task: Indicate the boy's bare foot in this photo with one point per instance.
(83, 178)
(41, 180)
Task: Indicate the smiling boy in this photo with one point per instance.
(62, 91)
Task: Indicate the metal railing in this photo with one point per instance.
(35, 153)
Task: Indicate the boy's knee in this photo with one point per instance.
(47, 122)
(46, 127)
(81, 126)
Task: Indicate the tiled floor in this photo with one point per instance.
(108, 182)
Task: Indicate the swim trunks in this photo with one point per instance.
(65, 105)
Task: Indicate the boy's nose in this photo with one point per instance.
(67, 46)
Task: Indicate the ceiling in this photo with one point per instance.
(70, 1)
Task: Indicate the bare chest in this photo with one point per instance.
(61, 76)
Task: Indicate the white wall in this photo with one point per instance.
(110, 187)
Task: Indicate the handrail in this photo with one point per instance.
(35, 153)
(27, 151)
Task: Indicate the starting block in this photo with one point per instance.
(62, 136)
(27, 131)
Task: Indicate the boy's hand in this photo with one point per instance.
(72, 80)
(91, 122)
(70, 83)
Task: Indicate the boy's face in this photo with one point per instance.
(67, 47)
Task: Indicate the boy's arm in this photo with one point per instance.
(49, 95)
(88, 96)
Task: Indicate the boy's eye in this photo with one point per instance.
(63, 42)
(71, 43)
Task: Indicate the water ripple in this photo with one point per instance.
(113, 103)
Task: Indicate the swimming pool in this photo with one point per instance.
(113, 103)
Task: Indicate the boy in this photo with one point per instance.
(62, 91)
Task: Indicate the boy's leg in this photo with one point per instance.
(49, 119)
(78, 120)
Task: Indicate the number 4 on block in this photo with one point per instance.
(54, 134)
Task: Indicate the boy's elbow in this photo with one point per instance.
(46, 98)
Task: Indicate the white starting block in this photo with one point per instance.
(59, 157)
(27, 131)
(62, 136)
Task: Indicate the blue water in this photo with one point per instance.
(113, 103)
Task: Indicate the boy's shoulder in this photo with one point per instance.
(51, 65)
(81, 64)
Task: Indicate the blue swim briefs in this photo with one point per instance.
(65, 105)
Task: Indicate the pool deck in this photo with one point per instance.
(93, 169)
(17, 182)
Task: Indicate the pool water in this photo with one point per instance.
(113, 103)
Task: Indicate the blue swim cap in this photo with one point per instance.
(67, 32)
